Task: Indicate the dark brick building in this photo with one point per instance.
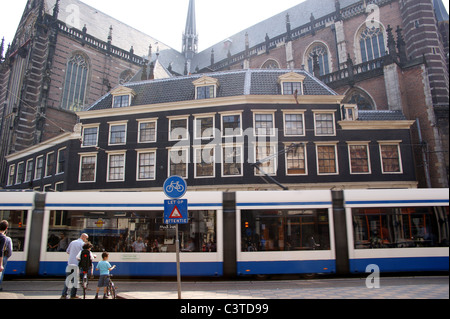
(385, 55)
(247, 129)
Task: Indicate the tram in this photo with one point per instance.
(232, 234)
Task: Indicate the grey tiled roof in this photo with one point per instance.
(232, 83)
(123, 36)
(381, 116)
(273, 26)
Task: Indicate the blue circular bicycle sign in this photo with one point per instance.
(175, 187)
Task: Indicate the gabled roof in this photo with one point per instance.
(232, 83)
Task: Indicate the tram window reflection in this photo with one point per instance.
(400, 227)
(133, 232)
(292, 230)
(17, 220)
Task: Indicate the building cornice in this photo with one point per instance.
(216, 102)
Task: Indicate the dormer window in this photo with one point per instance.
(291, 83)
(350, 112)
(121, 101)
(206, 88)
(122, 97)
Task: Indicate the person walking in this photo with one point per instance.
(5, 249)
(75, 247)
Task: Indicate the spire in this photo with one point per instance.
(190, 37)
(440, 11)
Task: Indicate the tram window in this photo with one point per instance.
(17, 225)
(293, 230)
(400, 227)
(134, 232)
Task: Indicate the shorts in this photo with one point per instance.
(103, 281)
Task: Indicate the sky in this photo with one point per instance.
(166, 20)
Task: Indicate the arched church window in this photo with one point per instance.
(125, 76)
(322, 54)
(270, 64)
(360, 98)
(75, 84)
(371, 42)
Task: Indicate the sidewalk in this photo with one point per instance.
(436, 287)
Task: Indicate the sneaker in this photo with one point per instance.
(63, 297)
(75, 297)
(105, 297)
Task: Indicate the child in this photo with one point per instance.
(105, 267)
(85, 258)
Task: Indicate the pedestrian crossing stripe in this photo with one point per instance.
(176, 213)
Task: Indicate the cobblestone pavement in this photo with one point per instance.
(423, 287)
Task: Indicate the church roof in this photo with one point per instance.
(232, 83)
(123, 36)
(274, 26)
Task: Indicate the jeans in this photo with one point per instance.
(73, 291)
(5, 261)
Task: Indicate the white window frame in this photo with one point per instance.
(391, 143)
(90, 126)
(29, 177)
(46, 164)
(241, 146)
(334, 144)
(305, 151)
(139, 153)
(82, 155)
(264, 112)
(36, 177)
(273, 161)
(213, 157)
(321, 112)
(145, 121)
(225, 114)
(23, 173)
(294, 112)
(178, 118)
(205, 116)
(11, 175)
(116, 153)
(58, 162)
(186, 156)
(121, 97)
(362, 143)
(115, 124)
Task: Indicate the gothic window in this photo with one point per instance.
(270, 64)
(371, 42)
(322, 54)
(360, 98)
(125, 76)
(75, 84)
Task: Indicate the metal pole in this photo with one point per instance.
(177, 243)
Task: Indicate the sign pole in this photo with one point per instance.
(178, 263)
(176, 212)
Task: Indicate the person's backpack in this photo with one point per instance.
(85, 260)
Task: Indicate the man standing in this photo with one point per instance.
(75, 247)
(5, 249)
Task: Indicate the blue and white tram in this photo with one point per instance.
(398, 230)
(16, 208)
(234, 233)
(130, 227)
(285, 233)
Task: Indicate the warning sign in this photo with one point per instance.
(176, 211)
